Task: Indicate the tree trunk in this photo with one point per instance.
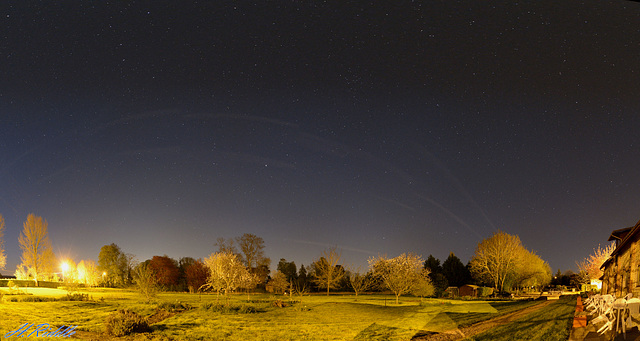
(397, 295)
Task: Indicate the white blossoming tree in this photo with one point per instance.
(401, 274)
(226, 272)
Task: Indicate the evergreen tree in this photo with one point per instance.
(437, 278)
(456, 273)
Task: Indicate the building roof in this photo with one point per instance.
(618, 235)
(622, 237)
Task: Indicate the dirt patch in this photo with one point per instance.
(459, 334)
(159, 315)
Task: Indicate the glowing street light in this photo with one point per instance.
(65, 267)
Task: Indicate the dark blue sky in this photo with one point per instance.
(399, 127)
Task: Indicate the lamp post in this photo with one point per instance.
(104, 274)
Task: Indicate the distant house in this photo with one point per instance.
(622, 269)
(452, 292)
(469, 290)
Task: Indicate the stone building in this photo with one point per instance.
(622, 269)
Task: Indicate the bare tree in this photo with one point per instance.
(132, 262)
(326, 270)
(360, 282)
(252, 247)
(37, 255)
(3, 256)
(226, 246)
(299, 287)
(399, 274)
(496, 258)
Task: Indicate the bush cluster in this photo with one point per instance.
(75, 297)
(30, 298)
(279, 304)
(229, 309)
(174, 306)
(124, 322)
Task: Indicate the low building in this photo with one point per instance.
(622, 269)
(452, 292)
(469, 290)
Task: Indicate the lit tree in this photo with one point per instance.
(278, 284)
(591, 265)
(22, 273)
(532, 271)
(248, 282)
(326, 271)
(37, 255)
(3, 256)
(91, 273)
(82, 273)
(226, 272)
(423, 286)
(113, 262)
(497, 258)
(69, 271)
(145, 279)
(400, 274)
(360, 282)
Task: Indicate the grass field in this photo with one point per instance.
(315, 317)
(551, 323)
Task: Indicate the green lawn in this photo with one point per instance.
(551, 323)
(315, 317)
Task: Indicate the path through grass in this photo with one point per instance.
(550, 323)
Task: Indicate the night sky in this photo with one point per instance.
(379, 128)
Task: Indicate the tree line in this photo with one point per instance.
(500, 261)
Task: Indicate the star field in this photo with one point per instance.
(380, 128)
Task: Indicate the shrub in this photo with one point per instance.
(75, 297)
(485, 291)
(229, 309)
(173, 306)
(124, 322)
(279, 304)
(35, 299)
